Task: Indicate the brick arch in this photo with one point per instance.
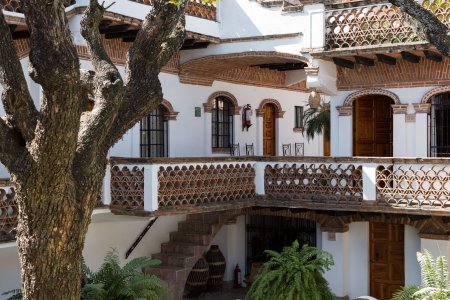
(278, 111)
(353, 96)
(170, 113)
(439, 90)
(209, 104)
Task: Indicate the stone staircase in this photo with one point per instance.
(185, 247)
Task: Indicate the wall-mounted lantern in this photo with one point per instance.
(246, 117)
(314, 99)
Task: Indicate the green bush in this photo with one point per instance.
(293, 274)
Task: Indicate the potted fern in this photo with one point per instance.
(435, 283)
(296, 273)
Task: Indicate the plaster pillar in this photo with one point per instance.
(207, 128)
(259, 146)
(345, 130)
(337, 243)
(399, 130)
(421, 130)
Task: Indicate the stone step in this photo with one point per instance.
(191, 237)
(198, 226)
(166, 272)
(184, 248)
(176, 259)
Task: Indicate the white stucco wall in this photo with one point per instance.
(10, 268)
(189, 135)
(341, 144)
(412, 246)
(359, 259)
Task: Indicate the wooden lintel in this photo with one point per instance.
(188, 42)
(122, 35)
(12, 27)
(115, 28)
(104, 25)
(344, 63)
(362, 60)
(408, 56)
(198, 45)
(18, 35)
(431, 55)
(386, 59)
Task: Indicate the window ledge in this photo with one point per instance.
(298, 129)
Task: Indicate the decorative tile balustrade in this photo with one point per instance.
(127, 187)
(375, 25)
(414, 186)
(196, 8)
(8, 213)
(203, 184)
(338, 183)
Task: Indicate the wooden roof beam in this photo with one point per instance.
(386, 59)
(362, 60)
(115, 29)
(431, 55)
(122, 35)
(344, 63)
(197, 45)
(408, 56)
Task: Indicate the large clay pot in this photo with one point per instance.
(197, 280)
(216, 262)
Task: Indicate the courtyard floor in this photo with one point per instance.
(227, 293)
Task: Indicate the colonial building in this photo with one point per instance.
(224, 159)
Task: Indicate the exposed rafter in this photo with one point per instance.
(386, 59)
(431, 55)
(408, 56)
(344, 63)
(362, 60)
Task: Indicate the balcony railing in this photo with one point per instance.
(367, 184)
(376, 25)
(185, 185)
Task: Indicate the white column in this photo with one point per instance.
(259, 178)
(369, 182)
(208, 133)
(345, 130)
(399, 130)
(421, 130)
(259, 146)
(106, 188)
(338, 245)
(151, 187)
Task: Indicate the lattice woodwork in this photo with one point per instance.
(202, 184)
(375, 25)
(312, 182)
(414, 186)
(127, 187)
(9, 211)
(194, 8)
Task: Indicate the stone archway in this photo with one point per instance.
(209, 103)
(170, 113)
(366, 92)
(439, 90)
(279, 113)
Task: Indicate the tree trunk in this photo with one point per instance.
(51, 244)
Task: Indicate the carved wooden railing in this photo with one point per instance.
(375, 25)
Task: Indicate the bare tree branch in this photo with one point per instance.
(19, 107)
(107, 85)
(159, 39)
(427, 25)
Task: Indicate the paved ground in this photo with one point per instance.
(228, 293)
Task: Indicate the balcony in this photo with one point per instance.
(167, 186)
(375, 26)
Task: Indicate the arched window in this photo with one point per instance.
(222, 123)
(154, 138)
(440, 126)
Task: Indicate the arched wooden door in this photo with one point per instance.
(269, 131)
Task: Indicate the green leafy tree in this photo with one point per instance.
(435, 283)
(112, 282)
(293, 274)
(317, 120)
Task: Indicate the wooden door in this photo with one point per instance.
(387, 259)
(269, 130)
(372, 126)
